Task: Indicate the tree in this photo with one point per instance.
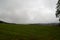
(58, 10)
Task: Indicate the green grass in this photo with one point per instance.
(29, 32)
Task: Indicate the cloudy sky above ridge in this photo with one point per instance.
(28, 11)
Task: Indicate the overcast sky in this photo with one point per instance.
(28, 11)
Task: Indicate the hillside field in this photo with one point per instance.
(29, 32)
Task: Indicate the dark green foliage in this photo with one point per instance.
(58, 2)
(58, 8)
(57, 12)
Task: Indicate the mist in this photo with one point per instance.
(28, 11)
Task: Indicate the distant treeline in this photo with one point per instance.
(2, 22)
(33, 24)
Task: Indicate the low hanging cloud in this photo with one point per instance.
(28, 11)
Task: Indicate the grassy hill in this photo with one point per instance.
(29, 32)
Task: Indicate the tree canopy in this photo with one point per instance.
(58, 8)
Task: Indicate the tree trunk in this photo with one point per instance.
(59, 22)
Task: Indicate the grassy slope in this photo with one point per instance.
(28, 32)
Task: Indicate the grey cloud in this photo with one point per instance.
(28, 11)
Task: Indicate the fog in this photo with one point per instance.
(28, 11)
